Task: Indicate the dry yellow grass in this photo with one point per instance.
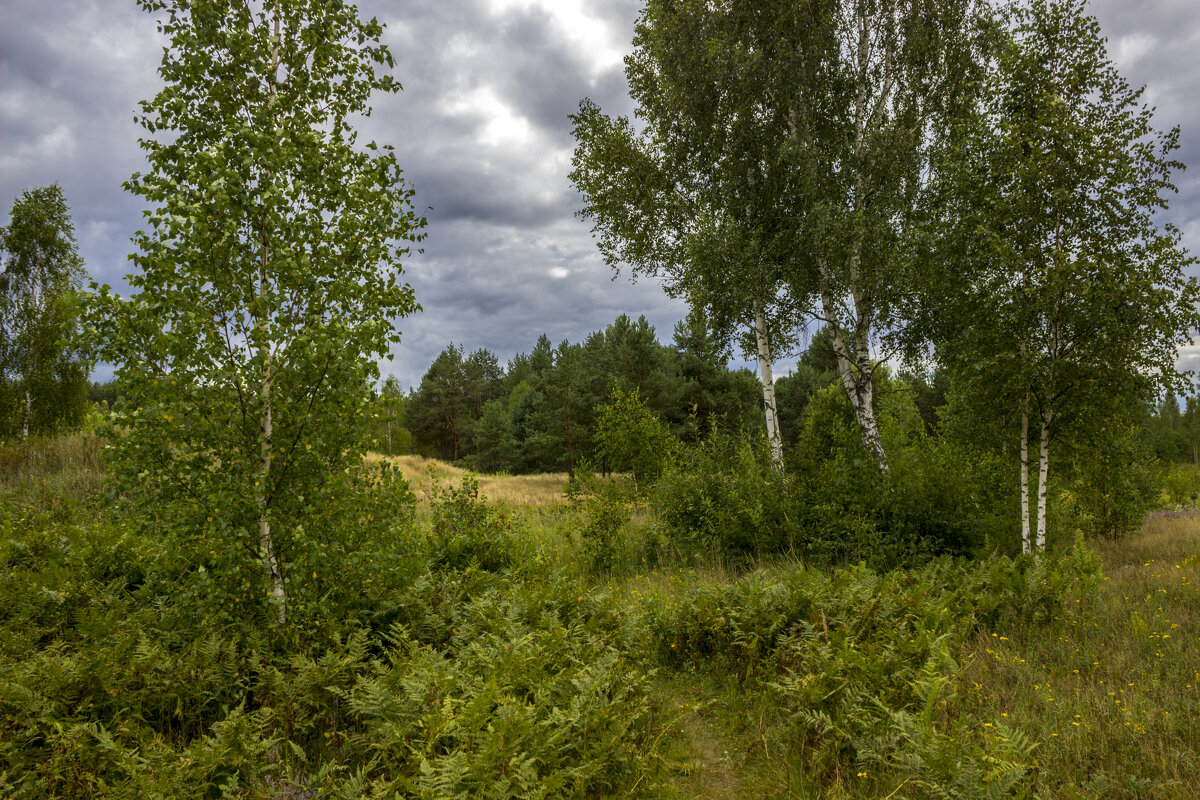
(519, 490)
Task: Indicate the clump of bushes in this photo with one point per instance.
(465, 532)
(854, 665)
(722, 495)
(462, 667)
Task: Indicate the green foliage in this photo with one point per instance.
(722, 495)
(857, 665)
(944, 757)
(1181, 485)
(44, 361)
(386, 426)
(466, 533)
(266, 287)
(1051, 289)
(1114, 481)
(606, 509)
(474, 656)
(119, 678)
(630, 438)
(540, 412)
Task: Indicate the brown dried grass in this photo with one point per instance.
(424, 474)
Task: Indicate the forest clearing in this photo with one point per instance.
(942, 541)
(481, 654)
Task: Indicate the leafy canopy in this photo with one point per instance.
(268, 278)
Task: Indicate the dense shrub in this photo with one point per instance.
(1180, 485)
(605, 509)
(722, 495)
(466, 682)
(465, 532)
(1114, 482)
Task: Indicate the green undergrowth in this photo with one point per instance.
(493, 653)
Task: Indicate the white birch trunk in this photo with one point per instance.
(28, 413)
(1043, 473)
(266, 422)
(1026, 544)
(774, 438)
(858, 377)
(33, 320)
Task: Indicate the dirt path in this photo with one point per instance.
(706, 757)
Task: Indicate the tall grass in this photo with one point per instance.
(1112, 693)
(63, 466)
(534, 491)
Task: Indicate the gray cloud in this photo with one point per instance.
(481, 129)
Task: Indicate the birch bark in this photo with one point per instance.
(1026, 545)
(266, 422)
(857, 374)
(1043, 473)
(774, 438)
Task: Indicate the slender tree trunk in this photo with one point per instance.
(266, 421)
(856, 370)
(389, 430)
(857, 374)
(768, 389)
(27, 413)
(1043, 473)
(1026, 545)
(33, 366)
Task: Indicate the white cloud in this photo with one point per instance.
(587, 33)
(502, 125)
(56, 143)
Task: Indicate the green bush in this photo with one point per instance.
(1114, 481)
(466, 532)
(1181, 485)
(605, 511)
(722, 495)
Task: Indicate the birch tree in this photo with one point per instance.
(43, 375)
(692, 198)
(268, 277)
(892, 75)
(1057, 290)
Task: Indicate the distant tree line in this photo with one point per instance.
(1172, 429)
(538, 412)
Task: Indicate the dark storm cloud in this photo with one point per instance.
(482, 130)
(1155, 45)
(70, 76)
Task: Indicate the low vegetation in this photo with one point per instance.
(489, 650)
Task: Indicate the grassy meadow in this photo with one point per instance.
(524, 491)
(503, 641)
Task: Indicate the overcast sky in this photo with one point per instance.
(481, 130)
